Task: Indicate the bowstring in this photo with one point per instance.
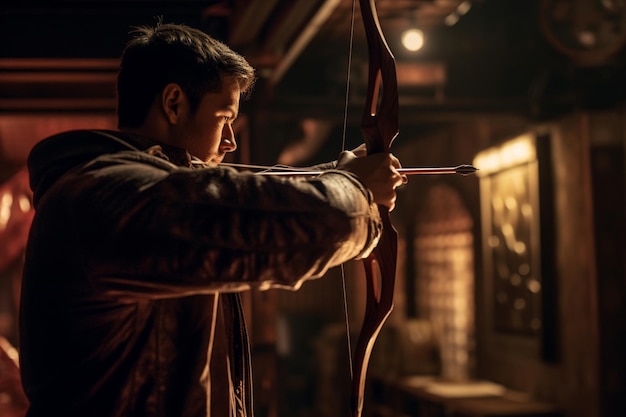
(343, 148)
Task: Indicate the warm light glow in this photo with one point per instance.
(5, 209)
(514, 152)
(464, 7)
(455, 16)
(451, 19)
(413, 39)
(24, 203)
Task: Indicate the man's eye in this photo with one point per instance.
(226, 118)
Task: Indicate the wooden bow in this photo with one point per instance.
(380, 126)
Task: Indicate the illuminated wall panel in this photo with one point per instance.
(516, 215)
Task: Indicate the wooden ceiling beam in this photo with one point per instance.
(57, 83)
(250, 17)
(289, 21)
(305, 35)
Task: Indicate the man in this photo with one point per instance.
(141, 241)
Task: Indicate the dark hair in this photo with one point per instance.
(173, 53)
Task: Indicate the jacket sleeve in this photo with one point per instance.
(150, 227)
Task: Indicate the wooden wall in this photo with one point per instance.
(577, 364)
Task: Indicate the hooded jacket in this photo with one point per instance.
(136, 253)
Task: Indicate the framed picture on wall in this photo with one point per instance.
(517, 214)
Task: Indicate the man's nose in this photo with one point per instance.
(228, 143)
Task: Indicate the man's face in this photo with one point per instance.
(208, 133)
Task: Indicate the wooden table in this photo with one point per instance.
(427, 397)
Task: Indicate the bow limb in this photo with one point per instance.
(380, 126)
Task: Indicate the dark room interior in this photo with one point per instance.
(510, 288)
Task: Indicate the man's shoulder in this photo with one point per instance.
(57, 154)
(71, 147)
(106, 140)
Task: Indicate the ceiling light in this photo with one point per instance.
(413, 39)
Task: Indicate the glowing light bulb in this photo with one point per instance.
(413, 39)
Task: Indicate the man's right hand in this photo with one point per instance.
(378, 172)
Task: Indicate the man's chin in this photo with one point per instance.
(215, 161)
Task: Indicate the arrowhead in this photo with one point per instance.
(466, 169)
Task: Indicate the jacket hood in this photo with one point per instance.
(56, 155)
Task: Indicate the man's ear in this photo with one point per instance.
(172, 102)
